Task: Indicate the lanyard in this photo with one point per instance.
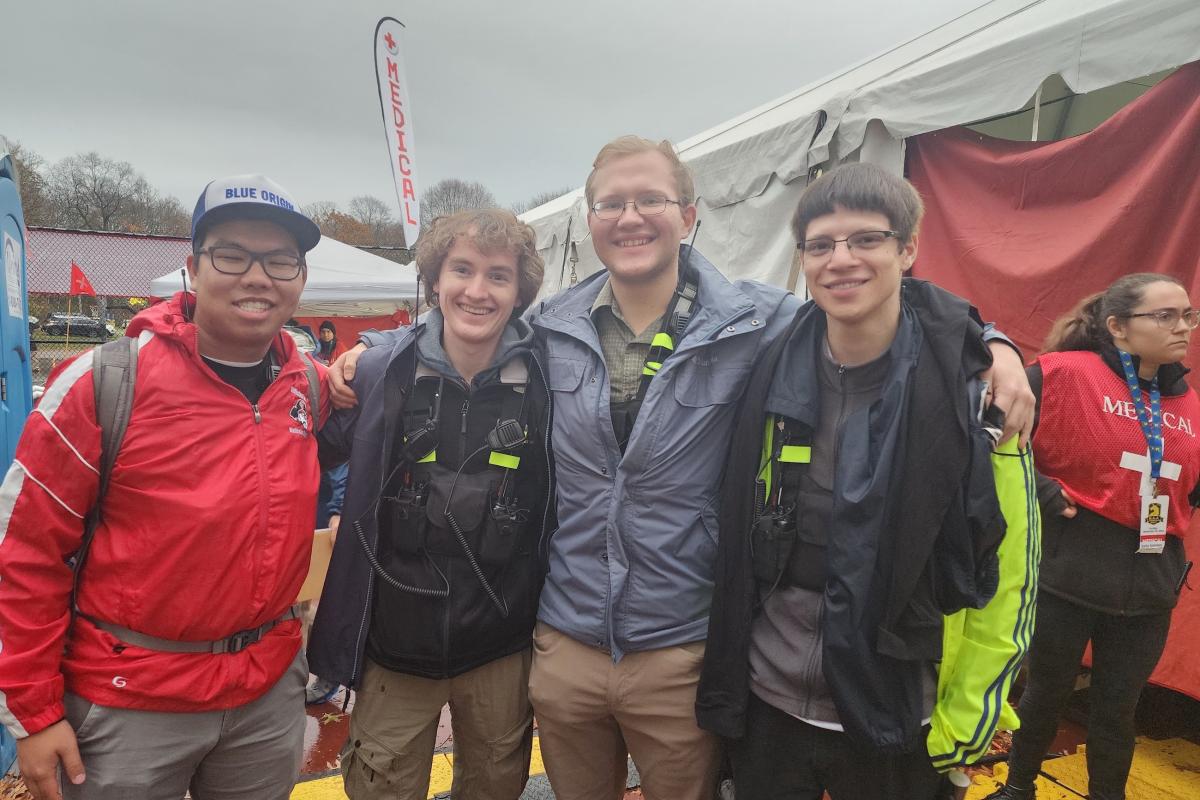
(1151, 421)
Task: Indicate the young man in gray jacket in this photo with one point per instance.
(645, 361)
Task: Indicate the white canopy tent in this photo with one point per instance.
(343, 281)
(985, 64)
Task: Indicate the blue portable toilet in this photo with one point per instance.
(16, 398)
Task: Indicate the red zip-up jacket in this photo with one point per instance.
(207, 530)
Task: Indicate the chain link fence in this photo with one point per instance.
(62, 327)
(118, 267)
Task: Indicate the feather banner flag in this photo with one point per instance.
(397, 122)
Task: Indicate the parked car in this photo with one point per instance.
(57, 323)
(305, 343)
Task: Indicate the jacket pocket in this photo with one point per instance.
(715, 374)
(564, 374)
(697, 386)
(79, 712)
(368, 766)
(709, 519)
(1052, 532)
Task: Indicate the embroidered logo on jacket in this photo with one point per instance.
(300, 414)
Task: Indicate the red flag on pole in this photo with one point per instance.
(79, 282)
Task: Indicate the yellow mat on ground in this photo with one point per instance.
(440, 775)
(1168, 769)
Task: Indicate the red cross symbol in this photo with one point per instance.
(391, 43)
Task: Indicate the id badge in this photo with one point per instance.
(1152, 535)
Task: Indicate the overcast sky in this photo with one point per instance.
(518, 95)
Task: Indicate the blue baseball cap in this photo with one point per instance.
(252, 197)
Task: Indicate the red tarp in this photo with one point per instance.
(1026, 229)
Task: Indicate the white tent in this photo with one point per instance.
(985, 64)
(342, 281)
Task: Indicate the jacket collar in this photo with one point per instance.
(172, 320)
(1170, 376)
(516, 339)
(720, 302)
(941, 316)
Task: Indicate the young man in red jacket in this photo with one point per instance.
(179, 665)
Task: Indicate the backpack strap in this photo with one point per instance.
(314, 389)
(114, 373)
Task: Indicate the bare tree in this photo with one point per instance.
(93, 192)
(319, 210)
(391, 235)
(451, 195)
(35, 199)
(538, 199)
(152, 212)
(372, 212)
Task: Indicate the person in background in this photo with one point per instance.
(330, 496)
(329, 348)
(1120, 465)
(433, 589)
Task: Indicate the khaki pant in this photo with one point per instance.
(592, 712)
(393, 727)
(251, 752)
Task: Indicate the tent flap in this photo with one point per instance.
(1091, 45)
(743, 169)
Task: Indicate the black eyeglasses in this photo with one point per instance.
(648, 205)
(822, 247)
(1168, 318)
(233, 260)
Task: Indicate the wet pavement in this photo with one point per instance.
(1166, 767)
(1168, 722)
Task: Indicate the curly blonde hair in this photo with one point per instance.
(490, 230)
(631, 146)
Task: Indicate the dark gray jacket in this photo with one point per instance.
(442, 637)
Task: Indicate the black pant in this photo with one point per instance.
(1124, 653)
(782, 758)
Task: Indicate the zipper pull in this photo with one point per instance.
(466, 403)
(257, 415)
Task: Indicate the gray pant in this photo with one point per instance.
(251, 752)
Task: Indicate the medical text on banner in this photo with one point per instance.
(397, 122)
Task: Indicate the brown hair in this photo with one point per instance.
(632, 145)
(491, 230)
(1085, 327)
(861, 187)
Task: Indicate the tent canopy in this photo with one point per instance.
(987, 62)
(342, 281)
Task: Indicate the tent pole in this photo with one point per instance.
(1064, 117)
(1037, 112)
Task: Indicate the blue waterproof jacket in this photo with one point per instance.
(631, 564)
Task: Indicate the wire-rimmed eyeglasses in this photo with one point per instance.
(647, 205)
(820, 248)
(1168, 318)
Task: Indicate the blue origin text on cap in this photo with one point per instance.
(261, 198)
